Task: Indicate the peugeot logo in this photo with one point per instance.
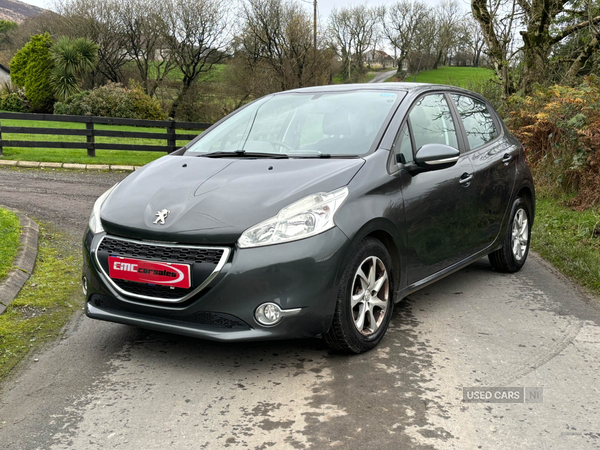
(161, 216)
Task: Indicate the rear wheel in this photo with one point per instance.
(365, 300)
(511, 257)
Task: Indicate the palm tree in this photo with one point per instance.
(73, 58)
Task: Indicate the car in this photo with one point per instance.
(310, 213)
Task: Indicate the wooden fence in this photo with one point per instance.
(171, 136)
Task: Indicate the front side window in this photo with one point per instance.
(477, 120)
(304, 124)
(432, 123)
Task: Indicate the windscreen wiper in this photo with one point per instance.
(244, 154)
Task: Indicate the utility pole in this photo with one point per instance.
(315, 26)
(314, 2)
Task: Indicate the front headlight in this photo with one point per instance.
(95, 224)
(304, 218)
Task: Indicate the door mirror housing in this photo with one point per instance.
(436, 156)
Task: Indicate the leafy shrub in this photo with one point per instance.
(30, 68)
(13, 102)
(13, 98)
(560, 130)
(113, 100)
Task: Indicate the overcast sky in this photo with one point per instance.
(325, 6)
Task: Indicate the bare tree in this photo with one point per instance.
(353, 31)
(341, 35)
(448, 19)
(402, 22)
(197, 37)
(276, 48)
(144, 29)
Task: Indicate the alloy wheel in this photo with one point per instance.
(520, 234)
(370, 295)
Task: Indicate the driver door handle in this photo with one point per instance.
(466, 179)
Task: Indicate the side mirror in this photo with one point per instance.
(436, 156)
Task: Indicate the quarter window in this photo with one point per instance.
(403, 145)
(432, 123)
(477, 120)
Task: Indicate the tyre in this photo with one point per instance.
(511, 257)
(365, 300)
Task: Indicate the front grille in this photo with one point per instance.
(203, 261)
(206, 318)
(151, 252)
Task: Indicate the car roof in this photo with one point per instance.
(395, 86)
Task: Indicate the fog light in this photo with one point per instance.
(268, 314)
(84, 286)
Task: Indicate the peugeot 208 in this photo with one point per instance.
(310, 213)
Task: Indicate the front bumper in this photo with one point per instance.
(302, 275)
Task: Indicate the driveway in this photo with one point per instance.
(382, 76)
(106, 385)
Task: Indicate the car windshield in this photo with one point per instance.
(303, 124)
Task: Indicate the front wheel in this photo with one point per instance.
(511, 257)
(365, 300)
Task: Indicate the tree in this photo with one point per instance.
(6, 28)
(145, 29)
(31, 68)
(73, 58)
(402, 22)
(100, 22)
(353, 31)
(544, 27)
(448, 20)
(197, 37)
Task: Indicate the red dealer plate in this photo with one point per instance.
(165, 274)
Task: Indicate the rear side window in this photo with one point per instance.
(432, 123)
(477, 120)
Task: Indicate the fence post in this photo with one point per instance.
(1, 153)
(171, 139)
(91, 148)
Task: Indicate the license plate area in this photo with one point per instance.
(150, 272)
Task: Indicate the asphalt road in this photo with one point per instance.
(113, 386)
(382, 76)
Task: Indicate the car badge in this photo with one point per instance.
(161, 216)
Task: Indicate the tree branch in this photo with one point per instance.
(574, 28)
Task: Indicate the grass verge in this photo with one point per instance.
(80, 156)
(454, 76)
(44, 305)
(10, 231)
(569, 240)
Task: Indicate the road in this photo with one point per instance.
(113, 386)
(382, 76)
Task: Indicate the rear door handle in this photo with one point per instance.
(507, 158)
(466, 179)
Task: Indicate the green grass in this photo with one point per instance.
(569, 240)
(10, 231)
(80, 156)
(214, 74)
(454, 76)
(44, 305)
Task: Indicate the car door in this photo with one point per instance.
(439, 204)
(493, 160)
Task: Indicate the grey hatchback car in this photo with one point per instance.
(310, 213)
